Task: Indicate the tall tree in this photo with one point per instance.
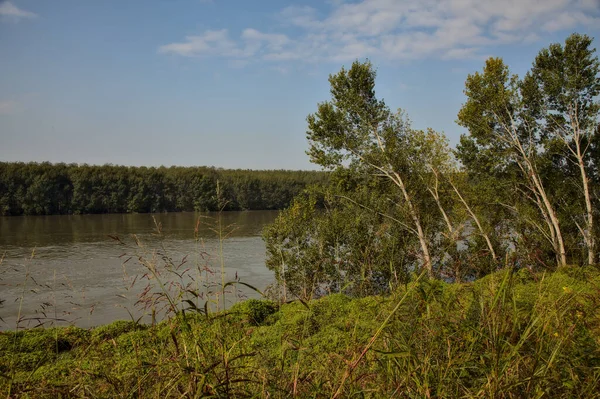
(505, 132)
(562, 89)
(357, 130)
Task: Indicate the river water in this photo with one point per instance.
(89, 270)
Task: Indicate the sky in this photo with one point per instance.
(229, 83)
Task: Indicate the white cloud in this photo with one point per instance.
(458, 53)
(273, 40)
(8, 107)
(565, 21)
(303, 17)
(211, 42)
(9, 10)
(217, 42)
(395, 30)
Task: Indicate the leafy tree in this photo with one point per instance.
(357, 129)
(562, 90)
(504, 133)
(396, 202)
(531, 137)
(31, 188)
(324, 243)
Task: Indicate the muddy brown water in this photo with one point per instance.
(89, 270)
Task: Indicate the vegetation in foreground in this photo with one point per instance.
(510, 334)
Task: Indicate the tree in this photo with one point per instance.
(537, 134)
(357, 130)
(563, 86)
(503, 130)
(31, 188)
(326, 242)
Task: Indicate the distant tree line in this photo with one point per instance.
(56, 189)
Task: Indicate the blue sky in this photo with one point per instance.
(230, 83)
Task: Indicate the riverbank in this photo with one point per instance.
(510, 334)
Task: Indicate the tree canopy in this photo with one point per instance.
(520, 189)
(46, 189)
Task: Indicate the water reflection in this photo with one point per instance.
(43, 231)
(81, 273)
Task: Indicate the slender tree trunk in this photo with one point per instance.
(476, 220)
(417, 222)
(436, 196)
(395, 177)
(528, 167)
(562, 256)
(589, 233)
(553, 239)
(444, 215)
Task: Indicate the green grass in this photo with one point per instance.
(507, 335)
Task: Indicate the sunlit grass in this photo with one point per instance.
(511, 334)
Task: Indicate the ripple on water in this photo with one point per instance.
(83, 276)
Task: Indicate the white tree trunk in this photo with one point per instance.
(476, 220)
(589, 233)
(427, 265)
(528, 167)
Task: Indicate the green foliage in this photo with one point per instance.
(254, 311)
(513, 333)
(563, 78)
(324, 243)
(113, 330)
(396, 203)
(530, 151)
(46, 189)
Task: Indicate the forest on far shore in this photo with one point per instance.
(58, 189)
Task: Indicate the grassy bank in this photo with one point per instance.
(510, 334)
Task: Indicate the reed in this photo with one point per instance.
(512, 334)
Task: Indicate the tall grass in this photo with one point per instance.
(512, 334)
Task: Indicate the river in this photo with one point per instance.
(89, 270)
